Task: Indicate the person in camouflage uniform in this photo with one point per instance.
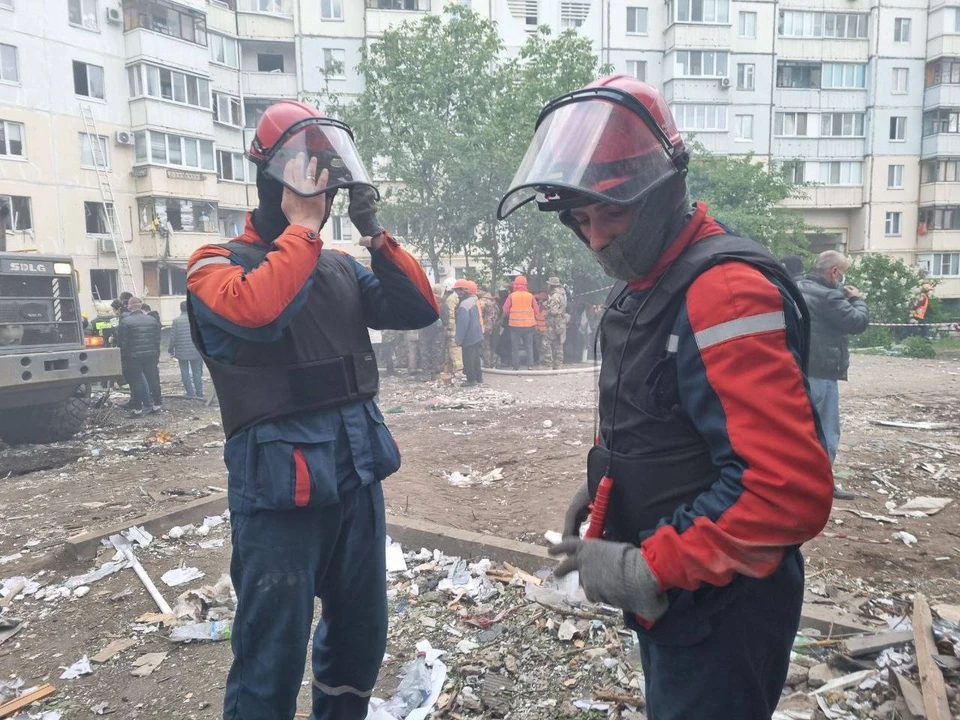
(555, 308)
(490, 313)
(453, 359)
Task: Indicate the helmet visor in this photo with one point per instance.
(324, 140)
(589, 150)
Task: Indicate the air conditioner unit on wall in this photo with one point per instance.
(124, 137)
(114, 16)
(107, 245)
(725, 83)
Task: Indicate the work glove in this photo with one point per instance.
(363, 210)
(613, 573)
(577, 512)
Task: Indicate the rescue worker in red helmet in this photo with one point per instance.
(709, 451)
(281, 322)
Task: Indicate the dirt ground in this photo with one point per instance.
(536, 430)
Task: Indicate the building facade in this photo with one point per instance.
(859, 100)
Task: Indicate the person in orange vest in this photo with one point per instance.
(542, 346)
(919, 313)
(521, 310)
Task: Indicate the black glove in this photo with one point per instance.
(577, 512)
(613, 573)
(363, 210)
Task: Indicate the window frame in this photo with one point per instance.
(181, 147)
(638, 63)
(898, 121)
(106, 216)
(5, 153)
(149, 80)
(737, 126)
(895, 170)
(217, 96)
(899, 72)
(150, 204)
(893, 223)
(235, 156)
(741, 30)
(813, 70)
(139, 15)
(28, 200)
(637, 14)
(103, 80)
(681, 110)
(857, 119)
(82, 25)
(104, 144)
(902, 28)
(16, 64)
(341, 74)
(744, 70)
(780, 120)
(333, 17)
(845, 71)
(675, 7)
(221, 44)
(715, 57)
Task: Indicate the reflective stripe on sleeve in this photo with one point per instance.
(740, 327)
(203, 262)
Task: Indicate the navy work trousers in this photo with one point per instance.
(282, 560)
(738, 670)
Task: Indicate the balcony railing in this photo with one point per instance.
(410, 5)
(268, 7)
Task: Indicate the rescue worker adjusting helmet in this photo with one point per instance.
(290, 128)
(613, 141)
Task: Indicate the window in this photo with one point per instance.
(231, 222)
(892, 223)
(839, 172)
(83, 13)
(745, 76)
(334, 62)
(843, 75)
(159, 82)
(9, 64)
(19, 208)
(336, 228)
(231, 166)
(103, 284)
(637, 68)
(253, 110)
(701, 63)
(798, 75)
(278, 7)
(942, 71)
(636, 21)
(898, 128)
(945, 265)
(88, 80)
(744, 126)
(94, 154)
(226, 110)
(700, 117)
(167, 18)
(940, 218)
(747, 25)
(901, 30)
(424, 6)
(940, 171)
(99, 217)
(939, 121)
(700, 11)
(180, 215)
(841, 124)
(794, 172)
(790, 124)
(894, 177)
(331, 9)
(11, 139)
(803, 23)
(573, 14)
(173, 280)
(900, 79)
(269, 62)
(223, 50)
(173, 150)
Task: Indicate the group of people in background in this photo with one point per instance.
(478, 329)
(134, 327)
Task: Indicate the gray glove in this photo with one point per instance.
(577, 512)
(613, 573)
(363, 210)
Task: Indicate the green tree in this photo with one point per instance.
(745, 195)
(889, 286)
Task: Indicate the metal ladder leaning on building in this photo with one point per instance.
(127, 281)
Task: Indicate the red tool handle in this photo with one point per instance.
(598, 509)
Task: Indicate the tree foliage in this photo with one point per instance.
(745, 195)
(445, 118)
(889, 286)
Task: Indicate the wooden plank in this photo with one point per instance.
(868, 644)
(829, 621)
(931, 679)
(114, 648)
(12, 707)
(911, 696)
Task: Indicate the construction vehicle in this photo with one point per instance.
(48, 369)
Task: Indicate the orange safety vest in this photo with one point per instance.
(521, 309)
(920, 309)
(541, 320)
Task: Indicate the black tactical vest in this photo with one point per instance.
(659, 461)
(322, 360)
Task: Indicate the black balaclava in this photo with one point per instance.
(268, 219)
(659, 220)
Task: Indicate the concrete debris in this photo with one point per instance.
(921, 507)
(208, 603)
(458, 479)
(146, 664)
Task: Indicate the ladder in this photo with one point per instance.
(127, 281)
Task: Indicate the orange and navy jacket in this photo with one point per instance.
(325, 452)
(738, 341)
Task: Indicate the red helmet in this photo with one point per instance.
(472, 287)
(294, 131)
(462, 284)
(613, 142)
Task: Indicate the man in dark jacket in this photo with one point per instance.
(836, 311)
(469, 331)
(182, 348)
(138, 336)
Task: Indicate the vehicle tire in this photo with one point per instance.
(47, 423)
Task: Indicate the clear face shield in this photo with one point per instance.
(326, 141)
(593, 145)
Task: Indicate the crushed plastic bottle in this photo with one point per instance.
(413, 690)
(214, 630)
